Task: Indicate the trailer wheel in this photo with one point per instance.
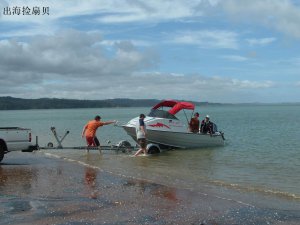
(50, 145)
(124, 146)
(153, 149)
(2, 150)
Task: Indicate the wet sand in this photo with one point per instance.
(37, 189)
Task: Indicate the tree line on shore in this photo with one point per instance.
(11, 103)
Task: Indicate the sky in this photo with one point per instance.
(222, 51)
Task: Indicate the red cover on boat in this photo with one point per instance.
(176, 106)
(166, 103)
(181, 105)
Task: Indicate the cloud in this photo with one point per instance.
(235, 58)
(116, 53)
(66, 67)
(95, 12)
(134, 85)
(194, 87)
(295, 61)
(241, 84)
(261, 42)
(65, 55)
(206, 38)
(281, 15)
(150, 11)
(63, 61)
(116, 11)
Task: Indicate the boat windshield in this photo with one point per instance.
(161, 114)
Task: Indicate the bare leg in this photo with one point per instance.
(143, 146)
(97, 143)
(138, 152)
(145, 151)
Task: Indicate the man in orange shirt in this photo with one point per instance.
(89, 131)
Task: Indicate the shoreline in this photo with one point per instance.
(13, 103)
(205, 185)
(38, 189)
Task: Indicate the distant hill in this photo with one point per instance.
(10, 103)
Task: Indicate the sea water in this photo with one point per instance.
(261, 154)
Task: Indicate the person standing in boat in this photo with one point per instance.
(194, 123)
(206, 126)
(89, 131)
(141, 136)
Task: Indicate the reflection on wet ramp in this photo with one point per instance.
(14, 179)
(154, 189)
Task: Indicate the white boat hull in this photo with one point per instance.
(179, 139)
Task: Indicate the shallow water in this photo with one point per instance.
(35, 189)
(261, 154)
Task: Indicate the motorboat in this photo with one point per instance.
(167, 131)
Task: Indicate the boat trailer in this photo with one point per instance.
(123, 145)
